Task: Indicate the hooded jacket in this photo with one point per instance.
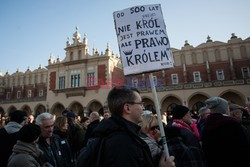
(8, 138)
(25, 154)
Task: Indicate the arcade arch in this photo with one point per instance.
(95, 106)
(234, 97)
(169, 103)
(197, 100)
(76, 107)
(26, 109)
(149, 104)
(39, 109)
(2, 113)
(11, 109)
(57, 109)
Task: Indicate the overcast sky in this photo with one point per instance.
(32, 29)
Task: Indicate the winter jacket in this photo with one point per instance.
(225, 142)
(57, 153)
(25, 155)
(123, 147)
(185, 147)
(75, 138)
(89, 132)
(8, 138)
(155, 148)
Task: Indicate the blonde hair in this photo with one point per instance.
(148, 121)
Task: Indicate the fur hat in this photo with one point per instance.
(179, 111)
(18, 116)
(29, 133)
(217, 105)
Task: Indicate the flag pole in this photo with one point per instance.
(156, 101)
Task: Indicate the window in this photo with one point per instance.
(71, 56)
(29, 93)
(155, 80)
(91, 79)
(62, 82)
(220, 74)
(134, 82)
(41, 93)
(174, 78)
(8, 95)
(245, 72)
(79, 54)
(197, 76)
(18, 94)
(75, 81)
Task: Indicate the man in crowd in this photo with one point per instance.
(225, 142)
(123, 147)
(9, 135)
(106, 115)
(56, 150)
(94, 118)
(76, 134)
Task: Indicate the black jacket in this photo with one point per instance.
(225, 142)
(57, 153)
(89, 132)
(185, 147)
(7, 141)
(123, 147)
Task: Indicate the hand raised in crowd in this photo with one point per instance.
(166, 162)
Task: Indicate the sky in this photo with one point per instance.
(30, 30)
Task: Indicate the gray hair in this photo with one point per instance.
(94, 116)
(44, 116)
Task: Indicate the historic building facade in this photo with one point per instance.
(81, 81)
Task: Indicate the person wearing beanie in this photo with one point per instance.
(26, 152)
(183, 119)
(225, 141)
(76, 134)
(9, 135)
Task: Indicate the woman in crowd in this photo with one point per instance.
(61, 127)
(151, 134)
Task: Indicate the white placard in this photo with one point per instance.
(142, 39)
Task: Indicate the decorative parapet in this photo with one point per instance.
(69, 92)
(198, 85)
(22, 100)
(228, 83)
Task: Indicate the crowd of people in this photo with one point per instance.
(129, 135)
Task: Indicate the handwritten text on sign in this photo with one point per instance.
(142, 39)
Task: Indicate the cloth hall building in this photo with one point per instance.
(81, 81)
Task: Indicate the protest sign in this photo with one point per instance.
(144, 46)
(142, 39)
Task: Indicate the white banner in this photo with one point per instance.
(142, 39)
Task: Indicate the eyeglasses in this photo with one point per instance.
(155, 127)
(140, 103)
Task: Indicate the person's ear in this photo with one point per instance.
(126, 108)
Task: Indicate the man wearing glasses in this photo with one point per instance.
(123, 147)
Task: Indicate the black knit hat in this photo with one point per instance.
(179, 111)
(29, 133)
(71, 114)
(18, 116)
